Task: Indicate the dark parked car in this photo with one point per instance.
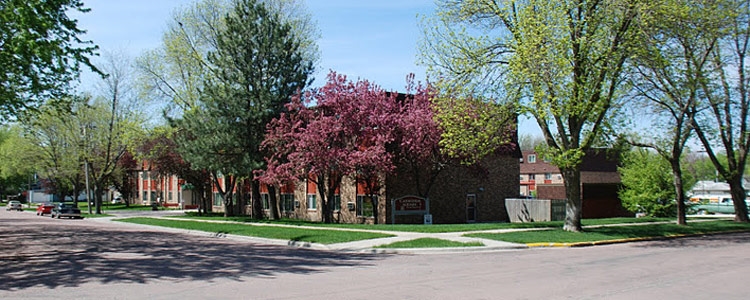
(44, 209)
(66, 210)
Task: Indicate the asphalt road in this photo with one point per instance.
(43, 258)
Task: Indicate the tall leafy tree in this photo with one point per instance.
(111, 122)
(723, 125)
(40, 51)
(18, 160)
(666, 76)
(560, 61)
(258, 65)
(58, 149)
(179, 68)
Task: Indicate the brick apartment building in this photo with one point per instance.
(600, 182)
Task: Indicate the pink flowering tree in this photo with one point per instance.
(346, 130)
(355, 129)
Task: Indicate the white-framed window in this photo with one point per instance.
(532, 158)
(287, 202)
(365, 205)
(547, 176)
(312, 204)
(532, 177)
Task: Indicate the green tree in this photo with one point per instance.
(648, 186)
(56, 146)
(179, 68)
(560, 61)
(40, 52)
(721, 122)
(17, 160)
(259, 65)
(665, 67)
(111, 122)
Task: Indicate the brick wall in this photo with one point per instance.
(493, 180)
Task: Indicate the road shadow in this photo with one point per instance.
(40, 254)
(701, 241)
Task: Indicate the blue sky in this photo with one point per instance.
(373, 40)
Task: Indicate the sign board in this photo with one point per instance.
(410, 205)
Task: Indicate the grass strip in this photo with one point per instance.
(600, 234)
(430, 243)
(435, 228)
(319, 236)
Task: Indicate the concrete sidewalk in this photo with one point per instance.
(361, 246)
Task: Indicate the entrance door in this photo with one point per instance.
(471, 208)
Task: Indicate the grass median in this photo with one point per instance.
(435, 228)
(430, 243)
(603, 234)
(320, 236)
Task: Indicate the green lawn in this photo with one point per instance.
(600, 234)
(436, 228)
(430, 243)
(320, 236)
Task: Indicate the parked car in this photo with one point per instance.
(66, 210)
(44, 209)
(717, 205)
(117, 200)
(14, 205)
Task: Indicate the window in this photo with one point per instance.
(547, 176)
(336, 202)
(531, 177)
(532, 158)
(287, 202)
(265, 201)
(144, 174)
(145, 196)
(311, 203)
(365, 206)
(217, 199)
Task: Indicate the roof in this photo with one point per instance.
(596, 160)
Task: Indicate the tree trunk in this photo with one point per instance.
(375, 208)
(273, 203)
(738, 197)
(257, 206)
(574, 204)
(98, 199)
(679, 190)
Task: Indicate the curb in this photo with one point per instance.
(630, 240)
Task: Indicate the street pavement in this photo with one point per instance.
(44, 258)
